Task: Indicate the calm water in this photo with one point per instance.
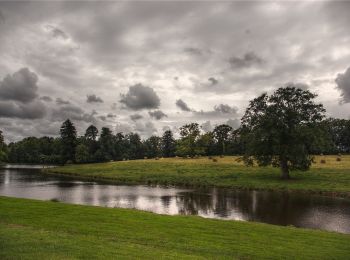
(311, 211)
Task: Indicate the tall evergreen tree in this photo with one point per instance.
(91, 133)
(168, 144)
(107, 143)
(69, 140)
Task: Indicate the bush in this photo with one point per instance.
(215, 160)
(323, 161)
(338, 159)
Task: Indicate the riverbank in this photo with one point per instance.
(37, 229)
(330, 178)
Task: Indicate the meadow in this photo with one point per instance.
(32, 229)
(331, 177)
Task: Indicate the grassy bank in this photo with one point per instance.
(333, 177)
(47, 230)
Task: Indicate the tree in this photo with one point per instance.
(168, 144)
(207, 144)
(3, 153)
(135, 147)
(338, 133)
(221, 134)
(106, 143)
(90, 139)
(69, 140)
(280, 129)
(153, 146)
(187, 145)
(91, 133)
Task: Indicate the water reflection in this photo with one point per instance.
(278, 208)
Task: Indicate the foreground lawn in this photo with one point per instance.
(32, 229)
(333, 177)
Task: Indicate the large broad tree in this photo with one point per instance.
(69, 140)
(281, 129)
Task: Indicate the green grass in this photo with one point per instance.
(32, 229)
(333, 177)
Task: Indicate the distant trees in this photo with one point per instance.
(69, 141)
(281, 129)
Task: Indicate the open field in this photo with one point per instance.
(32, 229)
(332, 178)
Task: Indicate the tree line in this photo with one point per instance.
(287, 124)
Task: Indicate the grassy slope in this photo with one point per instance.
(46, 230)
(330, 177)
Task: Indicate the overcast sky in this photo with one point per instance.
(150, 66)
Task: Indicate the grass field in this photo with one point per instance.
(32, 229)
(332, 178)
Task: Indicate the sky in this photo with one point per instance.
(150, 66)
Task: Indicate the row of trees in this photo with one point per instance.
(95, 146)
(284, 129)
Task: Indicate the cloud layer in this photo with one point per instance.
(126, 65)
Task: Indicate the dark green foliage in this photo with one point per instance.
(82, 154)
(3, 150)
(69, 140)
(153, 147)
(168, 144)
(337, 133)
(222, 133)
(107, 143)
(281, 129)
(187, 145)
(135, 147)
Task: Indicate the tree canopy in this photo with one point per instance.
(281, 129)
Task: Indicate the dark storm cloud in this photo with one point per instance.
(193, 51)
(60, 101)
(93, 99)
(56, 32)
(46, 98)
(249, 59)
(136, 117)
(343, 84)
(33, 110)
(157, 114)
(213, 81)
(110, 115)
(20, 86)
(182, 105)
(140, 97)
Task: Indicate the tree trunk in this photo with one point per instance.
(284, 169)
